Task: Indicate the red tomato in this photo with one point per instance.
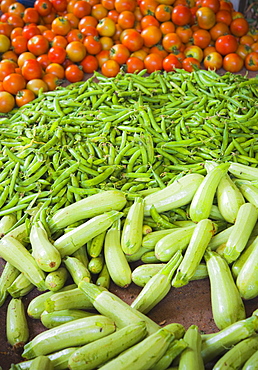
(153, 62)
(16, 8)
(57, 54)
(60, 41)
(32, 69)
(7, 102)
(81, 9)
(239, 27)
(15, 20)
(49, 35)
(158, 49)
(132, 39)
(201, 38)
(102, 57)
(191, 64)
(163, 12)
(23, 97)
(89, 64)
(76, 51)
(213, 4)
(233, 63)
(89, 31)
(113, 14)
(251, 61)
(226, 44)
(134, 64)
(170, 63)
(87, 21)
(119, 53)
(38, 45)
(126, 19)
(151, 36)
(43, 7)
(30, 30)
(122, 5)
(61, 26)
(92, 44)
(31, 15)
(24, 57)
(74, 35)
(167, 27)
(213, 61)
(219, 29)
(51, 80)
(224, 16)
(185, 33)
(181, 15)
(205, 17)
(149, 20)
(19, 44)
(43, 60)
(6, 68)
(73, 20)
(171, 41)
(13, 83)
(59, 5)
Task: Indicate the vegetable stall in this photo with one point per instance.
(143, 184)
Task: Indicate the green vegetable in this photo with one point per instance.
(41, 362)
(17, 330)
(56, 318)
(55, 280)
(191, 357)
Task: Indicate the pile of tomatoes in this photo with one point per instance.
(57, 40)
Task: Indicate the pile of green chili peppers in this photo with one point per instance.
(132, 132)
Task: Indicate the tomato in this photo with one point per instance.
(108, 4)
(4, 5)
(81, 9)
(87, 21)
(208, 50)
(38, 45)
(194, 52)
(98, 11)
(16, 8)
(126, 19)
(239, 27)
(131, 39)
(51, 80)
(106, 42)
(138, 14)
(226, 44)
(171, 62)
(251, 61)
(73, 35)
(246, 40)
(122, 5)
(224, 16)
(76, 51)
(56, 69)
(149, 20)
(212, 4)
(89, 64)
(6, 68)
(102, 57)
(213, 61)
(15, 20)
(226, 5)
(191, 64)
(179, 54)
(13, 83)
(243, 50)
(219, 29)
(106, 27)
(60, 41)
(134, 64)
(254, 47)
(117, 36)
(19, 44)
(171, 41)
(59, 5)
(36, 86)
(70, 5)
(181, 15)
(7, 102)
(43, 60)
(23, 97)
(48, 19)
(167, 27)
(31, 69)
(43, 7)
(233, 63)
(148, 7)
(205, 17)
(11, 55)
(119, 53)
(151, 36)
(163, 12)
(153, 62)
(185, 33)
(110, 68)
(30, 30)
(23, 57)
(16, 31)
(92, 44)
(158, 49)
(89, 31)
(61, 26)
(57, 54)
(201, 38)
(5, 43)
(6, 29)
(140, 54)
(113, 14)
(49, 35)
(30, 15)
(73, 20)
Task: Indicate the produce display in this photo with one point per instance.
(56, 41)
(100, 174)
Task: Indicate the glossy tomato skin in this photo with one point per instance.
(171, 62)
(38, 45)
(74, 73)
(75, 51)
(151, 36)
(7, 102)
(36, 85)
(205, 17)
(119, 53)
(13, 83)
(131, 39)
(233, 63)
(226, 44)
(181, 15)
(213, 61)
(134, 64)
(6, 67)
(89, 64)
(239, 27)
(43, 7)
(23, 97)
(191, 64)
(110, 68)
(251, 61)
(201, 38)
(219, 29)
(32, 69)
(153, 62)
